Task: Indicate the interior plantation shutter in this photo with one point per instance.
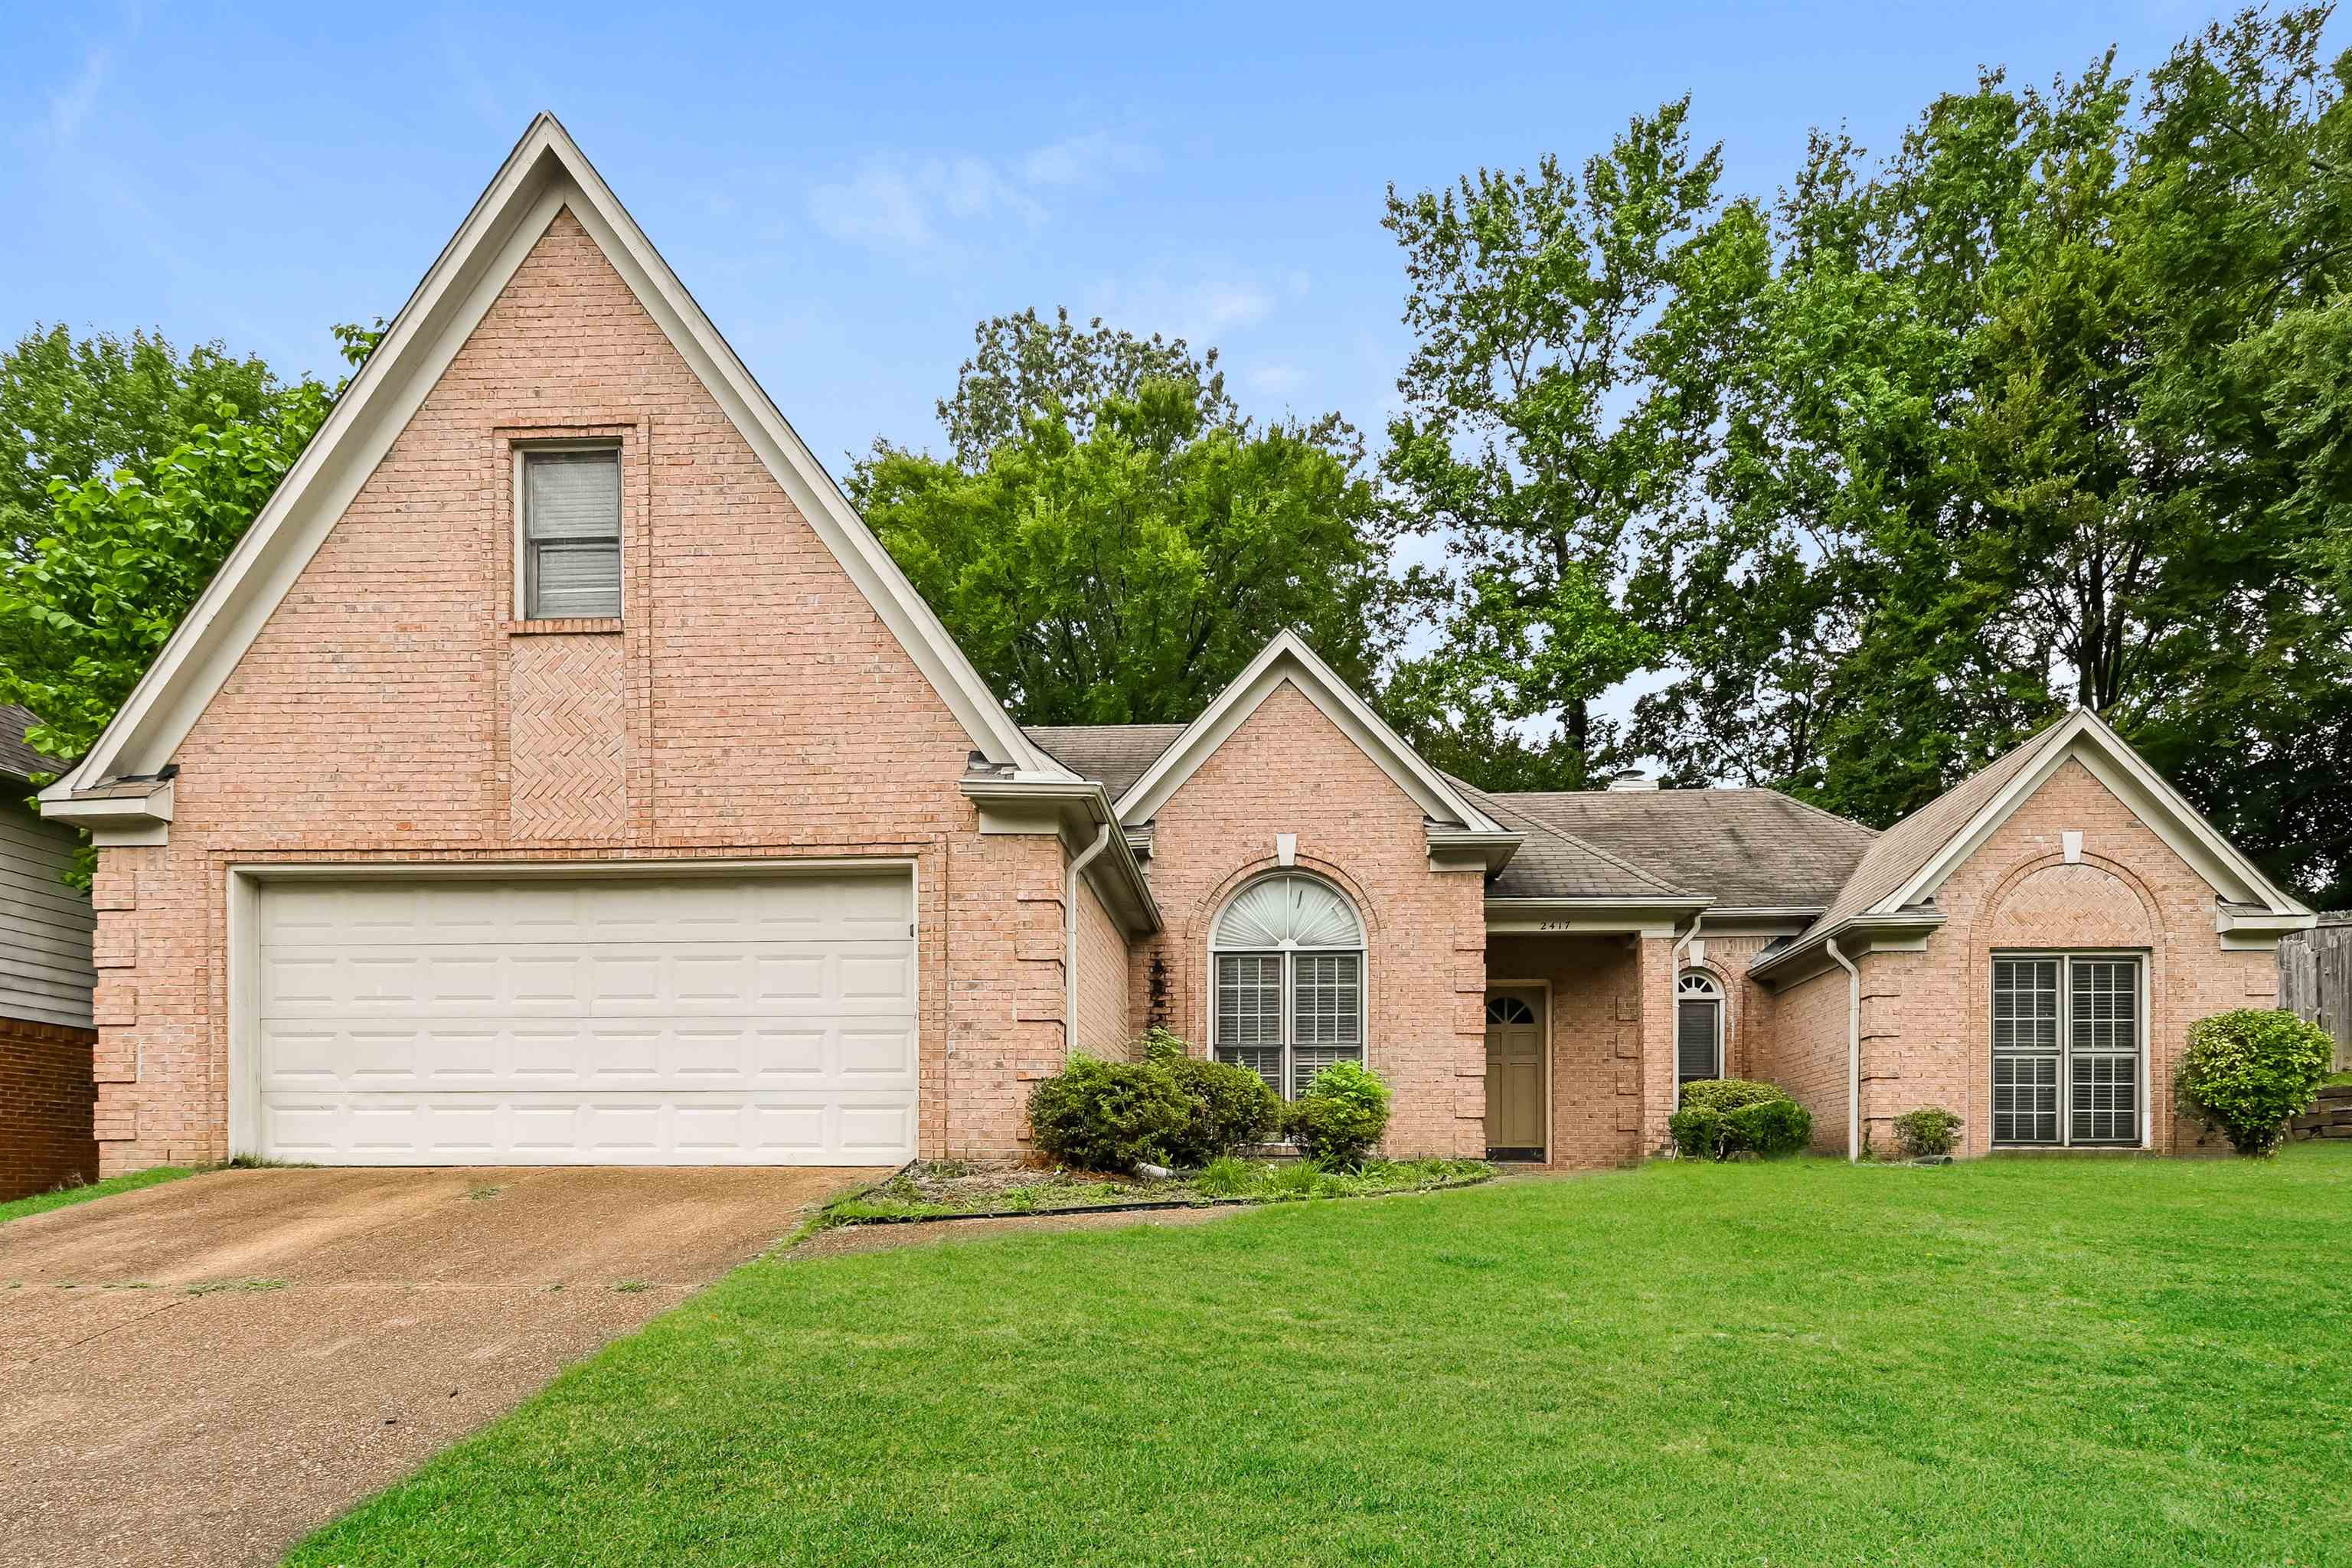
(2025, 1050)
(1694, 1039)
(2103, 1051)
(572, 528)
(1327, 1013)
(1248, 1023)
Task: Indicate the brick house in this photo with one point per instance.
(559, 771)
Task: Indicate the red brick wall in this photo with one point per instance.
(1288, 768)
(750, 703)
(1927, 1017)
(46, 1095)
(1104, 1027)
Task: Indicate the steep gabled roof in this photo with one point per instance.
(546, 173)
(1113, 756)
(1911, 860)
(1287, 660)
(17, 759)
(1741, 848)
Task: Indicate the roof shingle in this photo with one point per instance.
(18, 760)
(1113, 756)
(1740, 849)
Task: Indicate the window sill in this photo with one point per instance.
(579, 625)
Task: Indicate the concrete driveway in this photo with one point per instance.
(201, 1371)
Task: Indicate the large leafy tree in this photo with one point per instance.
(113, 559)
(1119, 561)
(77, 408)
(2039, 411)
(1535, 433)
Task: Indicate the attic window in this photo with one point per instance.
(572, 534)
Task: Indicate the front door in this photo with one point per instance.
(1515, 1075)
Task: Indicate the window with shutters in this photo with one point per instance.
(2067, 1048)
(570, 545)
(1287, 963)
(1698, 1028)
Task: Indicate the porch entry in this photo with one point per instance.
(1515, 1074)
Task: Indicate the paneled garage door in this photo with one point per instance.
(726, 1019)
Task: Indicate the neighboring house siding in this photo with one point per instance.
(1288, 768)
(1926, 1021)
(1104, 1029)
(755, 706)
(1595, 1040)
(45, 945)
(45, 1108)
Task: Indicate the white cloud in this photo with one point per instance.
(1087, 160)
(69, 109)
(914, 205)
(1274, 380)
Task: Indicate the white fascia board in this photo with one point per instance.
(1286, 657)
(153, 809)
(1902, 931)
(544, 174)
(1579, 916)
(1072, 809)
(2168, 814)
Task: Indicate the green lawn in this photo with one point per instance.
(2010, 1362)
(42, 1202)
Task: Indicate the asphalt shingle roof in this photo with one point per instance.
(1115, 755)
(1740, 849)
(1553, 863)
(18, 760)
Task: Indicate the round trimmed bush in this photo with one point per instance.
(1759, 1118)
(1340, 1115)
(1925, 1132)
(1108, 1116)
(1769, 1127)
(2248, 1070)
(1229, 1106)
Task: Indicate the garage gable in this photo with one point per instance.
(545, 183)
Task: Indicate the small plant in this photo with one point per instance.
(630, 1286)
(1927, 1133)
(1301, 1178)
(1227, 1177)
(2248, 1071)
(1340, 1115)
(215, 1286)
(482, 1192)
(1108, 1116)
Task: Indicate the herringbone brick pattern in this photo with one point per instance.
(567, 714)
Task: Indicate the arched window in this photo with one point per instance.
(1286, 955)
(1698, 1027)
(1509, 1010)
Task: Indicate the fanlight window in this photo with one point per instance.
(1288, 957)
(1509, 1010)
(1698, 1027)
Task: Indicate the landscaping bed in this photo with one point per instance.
(949, 1189)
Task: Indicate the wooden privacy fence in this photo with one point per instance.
(2316, 978)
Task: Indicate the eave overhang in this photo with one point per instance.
(1077, 810)
(1644, 917)
(1897, 931)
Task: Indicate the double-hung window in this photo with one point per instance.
(2068, 1041)
(1698, 1028)
(1286, 960)
(570, 533)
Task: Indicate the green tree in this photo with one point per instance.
(1535, 433)
(1998, 425)
(117, 557)
(76, 409)
(1122, 566)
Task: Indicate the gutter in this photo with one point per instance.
(1674, 976)
(1852, 1052)
(1070, 932)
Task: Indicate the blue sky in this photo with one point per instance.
(848, 191)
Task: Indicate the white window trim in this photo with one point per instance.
(1287, 949)
(2139, 960)
(520, 450)
(1722, 1018)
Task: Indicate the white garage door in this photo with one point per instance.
(678, 1021)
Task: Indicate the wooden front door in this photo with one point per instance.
(1515, 1074)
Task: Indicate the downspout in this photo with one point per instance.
(1070, 935)
(1852, 1053)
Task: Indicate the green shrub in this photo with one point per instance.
(1728, 1094)
(1160, 1045)
(1302, 1178)
(1761, 1119)
(1926, 1132)
(1771, 1127)
(1108, 1116)
(1227, 1177)
(2248, 1070)
(1229, 1107)
(1340, 1115)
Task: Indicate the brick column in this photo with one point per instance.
(1656, 958)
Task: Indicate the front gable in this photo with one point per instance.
(588, 332)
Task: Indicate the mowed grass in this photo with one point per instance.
(2008, 1361)
(63, 1198)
